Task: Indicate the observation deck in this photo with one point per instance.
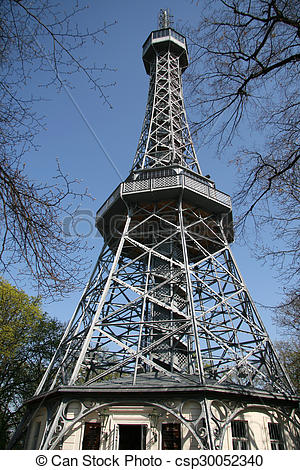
(165, 184)
(164, 39)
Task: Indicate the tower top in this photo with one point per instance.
(165, 19)
(165, 139)
(165, 38)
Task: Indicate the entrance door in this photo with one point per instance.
(132, 436)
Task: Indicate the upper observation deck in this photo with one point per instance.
(165, 39)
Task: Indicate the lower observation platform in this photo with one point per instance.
(166, 184)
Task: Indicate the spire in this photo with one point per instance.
(164, 19)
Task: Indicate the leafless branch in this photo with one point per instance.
(40, 36)
(245, 59)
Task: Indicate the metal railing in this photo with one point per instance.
(163, 33)
(174, 181)
(155, 183)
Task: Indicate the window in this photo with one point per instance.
(177, 36)
(161, 33)
(91, 438)
(239, 430)
(171, 436)
(276, 438)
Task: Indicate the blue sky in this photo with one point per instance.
(70, 134)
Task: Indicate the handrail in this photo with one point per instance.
(155, 183)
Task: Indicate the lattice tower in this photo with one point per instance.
(166, 300)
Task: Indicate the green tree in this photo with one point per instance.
(28, 340)
(288, 319)
(19, 316)
(289, 353)
(244, 80)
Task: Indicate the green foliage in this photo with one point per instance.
(288, 319)
(289, 352)
(19, 316)
(28, 340)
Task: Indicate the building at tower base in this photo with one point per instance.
(159, 413)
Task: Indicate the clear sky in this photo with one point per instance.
(79, 126)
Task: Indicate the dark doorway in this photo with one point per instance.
(171, 439)
(132, 436)
(91, 438)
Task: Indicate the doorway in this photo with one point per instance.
(132, 436)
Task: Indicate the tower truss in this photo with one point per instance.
(166, 297)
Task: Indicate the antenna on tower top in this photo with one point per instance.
(165, 19)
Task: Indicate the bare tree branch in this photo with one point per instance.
(40, 36)
(245, 74)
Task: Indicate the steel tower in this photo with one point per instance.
(166, 321)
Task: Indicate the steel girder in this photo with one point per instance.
(166, 296)
(165, 299)
(165, 138)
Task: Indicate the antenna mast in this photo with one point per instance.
(164, 19)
